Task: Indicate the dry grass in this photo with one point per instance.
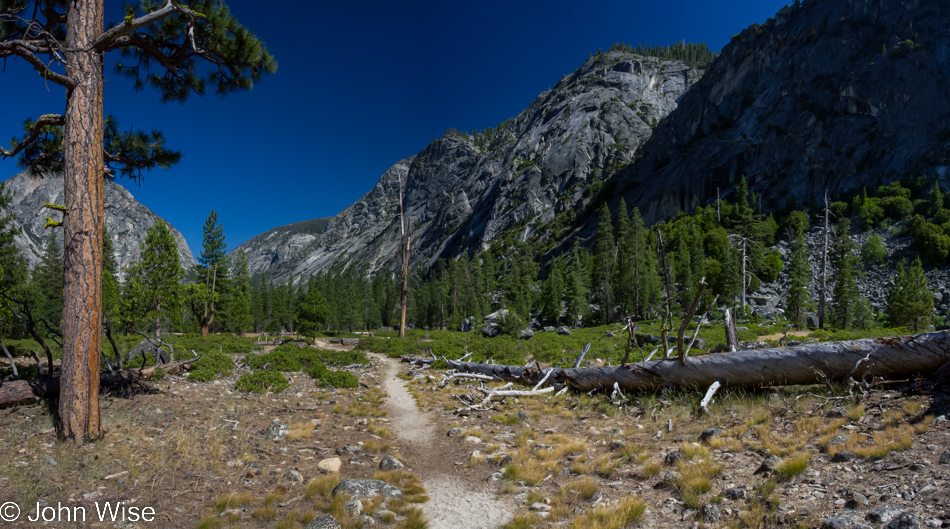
(793, 465)
(627, 511)
(409, 483)
(322, 486)
(233, 500)
(300, 430)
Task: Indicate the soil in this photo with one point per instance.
(182, 448)
(457, 499)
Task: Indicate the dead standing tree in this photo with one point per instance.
(405, 241)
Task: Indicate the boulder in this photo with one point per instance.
(491, 330)
(526, 334)
(366, 488)
(564, 331)
(391, 463)
(550, 329)
(330, 466)
(276, 430)
(496, 317)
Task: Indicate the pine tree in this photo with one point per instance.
(645, 282)
(553, 293)
(576, 286)
(313, 313)
(935, 198)
(605, 252)
(909, 299)
(111, 293)
(179, 50)
(48, 284)
(241, 319)
(155, 280)
(211, 275)
(798, 297)
(844, 259)
(624, 273)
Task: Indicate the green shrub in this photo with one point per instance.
(511, 324)
(158, 373)
(210, 365)
(344, 358)
(327, 378)
(873, 250)
(287, 358)
(262, 382)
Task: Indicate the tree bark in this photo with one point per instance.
(890, 358)
(732, 336)
(82, 241)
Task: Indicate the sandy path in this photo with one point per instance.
(455, 502)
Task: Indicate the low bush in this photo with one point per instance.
(210, 366)
(328, 378)
(262, 382)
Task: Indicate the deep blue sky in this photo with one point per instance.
(361, 85)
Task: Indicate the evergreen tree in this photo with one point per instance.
(179, 50)
(111, 293)
(798, 297)
(241, 319)
(48, 284)
(624, 273)
(605, 252)
(645, 291)
(844, 259)
(211, 275)
(313, 313)
(935, 198)
(576, 286)
(909, 299)
(553, 293)
(155, 280)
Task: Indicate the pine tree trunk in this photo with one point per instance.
(82, 241)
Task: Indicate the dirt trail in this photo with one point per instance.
(455, 501)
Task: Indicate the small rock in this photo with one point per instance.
(324, 522)
(927, 489)
(839, 440)
(837, 413)
(540, 507)
(391, 463)
(768, 465)
(454, 432)
(904, 521)
(710, 513)
(49, 460)
(473, 440)
(293, 475)
(908, 495)
(673, 457)
(330, 466)
(858, 499)
(618, 444)
(354, 508)
(564, 331)
(522, 416)
(710, 433)
(734, 494)
(945, 458)
(276, 430)
(843, 457)
(836, 522)
(496, 476)
(501, 459)
(885, 514)
(668, 480)
(932, 522)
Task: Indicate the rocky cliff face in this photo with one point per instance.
(127, 220)
(462, 190)
(832, 94)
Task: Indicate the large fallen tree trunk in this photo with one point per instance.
(17, 392)
(888, 358)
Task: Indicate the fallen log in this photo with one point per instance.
(889, 358)
(30, 391)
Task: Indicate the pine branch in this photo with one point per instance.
(43, 121)
(110, 40)
(29, 50)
